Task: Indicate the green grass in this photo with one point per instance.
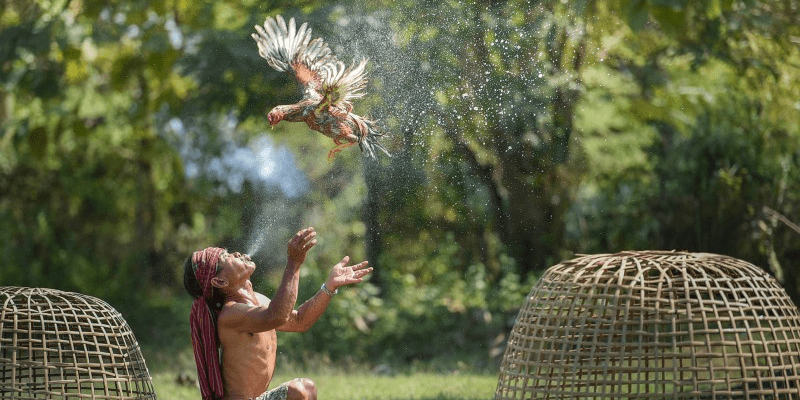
(364, 386)
(441, 380)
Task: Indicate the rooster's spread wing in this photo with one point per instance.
(289, 49)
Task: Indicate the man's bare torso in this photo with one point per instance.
(248, 359)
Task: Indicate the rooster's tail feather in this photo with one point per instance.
(368, 141)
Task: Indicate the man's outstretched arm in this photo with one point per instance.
(341, 274)
(263, 318)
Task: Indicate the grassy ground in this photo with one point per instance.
(339, 381)
(336, 386)
(442, 380)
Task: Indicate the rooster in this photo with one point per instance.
(328, 87)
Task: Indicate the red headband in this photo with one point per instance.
(204, 332)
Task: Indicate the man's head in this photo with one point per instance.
(227, 268)
(199, 269)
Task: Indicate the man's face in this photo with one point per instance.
(232, 266)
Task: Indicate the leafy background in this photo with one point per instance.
(522, 133)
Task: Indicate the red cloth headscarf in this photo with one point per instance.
(204, 332)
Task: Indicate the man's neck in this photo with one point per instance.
(242, 293)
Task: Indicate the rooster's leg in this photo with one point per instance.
(340, 147)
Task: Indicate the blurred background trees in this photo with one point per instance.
(522, 133)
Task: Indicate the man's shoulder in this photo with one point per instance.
(242, 316)
(234, 308)
(233, 314)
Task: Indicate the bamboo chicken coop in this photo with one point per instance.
(653, 325)
(62, 345)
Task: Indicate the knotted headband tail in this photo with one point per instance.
(205, 345)
(204, 332)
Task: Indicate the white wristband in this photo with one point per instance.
(328, 292)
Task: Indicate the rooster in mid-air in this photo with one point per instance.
(328, 86)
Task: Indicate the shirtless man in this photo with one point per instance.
(235, 326)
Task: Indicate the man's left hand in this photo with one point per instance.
(342, 274)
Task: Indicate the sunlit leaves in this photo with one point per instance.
(229, 16)
(707, 100)
(75, 89)
(674, 16)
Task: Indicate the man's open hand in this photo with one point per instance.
(341, 274)
(299, 245)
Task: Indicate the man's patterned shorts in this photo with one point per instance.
(279, 393)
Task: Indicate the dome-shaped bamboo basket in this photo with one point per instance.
(653, 325)
(61, 345)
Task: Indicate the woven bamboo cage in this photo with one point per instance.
(653, 325)
(61, 345)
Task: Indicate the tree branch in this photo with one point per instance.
(774, 214)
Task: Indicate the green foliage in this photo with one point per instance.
(96, 194)
(708, 139)
(521, 134)
(705, 189)
(416, 316)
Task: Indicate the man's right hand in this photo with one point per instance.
(299, 245)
